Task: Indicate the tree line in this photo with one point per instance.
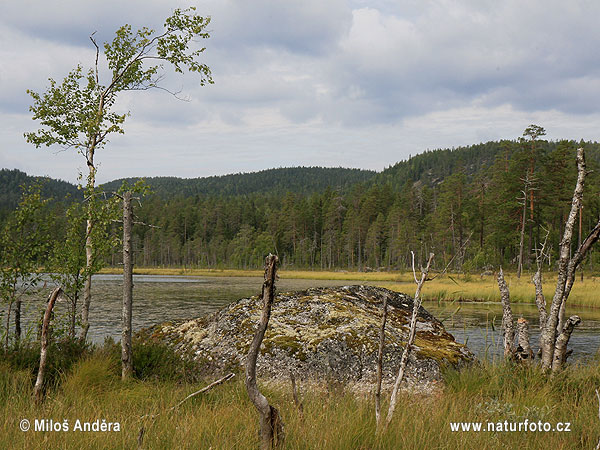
(490, 216)
(486, 205)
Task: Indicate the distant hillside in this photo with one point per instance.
(298, 180)
(433, 166)
(12, 180)
(429, 168)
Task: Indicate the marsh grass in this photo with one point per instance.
(223, 418)
(449, 287)
(485, 289)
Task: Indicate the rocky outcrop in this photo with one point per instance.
(322, 334)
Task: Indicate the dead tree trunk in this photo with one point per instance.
(522, 239)
(560, 349)
(523, 352)
(271, 426)
(38, 390)
(380, 362)
(540, 300)
(18, 321)
(549, 332)
(411, 338)
(508, 326)
(126, 352)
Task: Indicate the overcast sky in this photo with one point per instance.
(352, 83)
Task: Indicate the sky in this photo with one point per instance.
(350, 83)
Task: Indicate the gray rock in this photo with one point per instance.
(322, 334)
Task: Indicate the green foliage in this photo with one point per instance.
(78, 111)
(24, 242)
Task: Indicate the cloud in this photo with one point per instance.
(353, 82)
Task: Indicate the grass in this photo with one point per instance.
(333, 419)
(449, 287)
(288, 274)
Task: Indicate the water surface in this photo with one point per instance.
(159, 299)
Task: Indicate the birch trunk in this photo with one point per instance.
(89, 253)
(17, 321)
(38, 390)
(508, 326)
(540, 300)
(126, 352)
(548, 338)
(524, 352)
(560, 351)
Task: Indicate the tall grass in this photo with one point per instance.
(485, 289)
(223, 418)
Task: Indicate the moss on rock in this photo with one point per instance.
(322, 333)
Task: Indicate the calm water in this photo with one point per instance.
(164, 298)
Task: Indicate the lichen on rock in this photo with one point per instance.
(322, 334)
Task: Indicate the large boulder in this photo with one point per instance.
(322, 334)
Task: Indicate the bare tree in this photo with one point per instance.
(549, 333)
(271, 425)
(411, 337)
(555, 331)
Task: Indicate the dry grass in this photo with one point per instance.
(485, 289)
(223, 418)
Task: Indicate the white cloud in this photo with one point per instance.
(358, 83)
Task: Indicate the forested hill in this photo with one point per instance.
(465, 205)
(432, 166)
(12, 180)
(298, 180)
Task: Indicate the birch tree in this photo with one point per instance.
(80, 112)
(23, 244)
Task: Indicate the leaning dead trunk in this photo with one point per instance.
(126, 352)
(38, 390)
(271, 426)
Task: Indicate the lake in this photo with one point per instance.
(170, 298)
